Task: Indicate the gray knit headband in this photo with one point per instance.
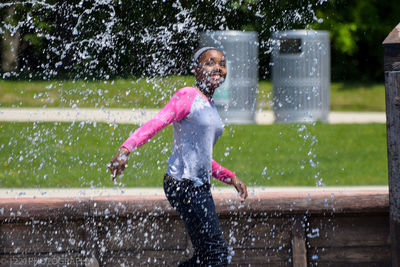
(201, 51)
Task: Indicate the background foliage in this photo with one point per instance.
(358, 29)
(112, 38)
(109, 38)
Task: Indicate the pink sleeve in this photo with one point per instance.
(176, 109)
(222, 173)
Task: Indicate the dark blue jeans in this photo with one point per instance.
(195, 206)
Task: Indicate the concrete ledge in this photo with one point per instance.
(109, 202)
(140, 191)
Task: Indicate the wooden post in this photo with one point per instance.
(392, 83)
(299, 249)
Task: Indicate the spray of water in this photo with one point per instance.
(86, 41)
(83, 48)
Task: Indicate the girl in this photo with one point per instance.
(197, 126)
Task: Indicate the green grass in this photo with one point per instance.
(155, 92)
(358, 96)
(75, 155)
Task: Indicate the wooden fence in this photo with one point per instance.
(316, 228)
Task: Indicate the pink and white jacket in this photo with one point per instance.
(197, 127)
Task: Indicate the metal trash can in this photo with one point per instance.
(236, 97)
(301, 76)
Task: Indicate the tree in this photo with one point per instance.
(357, 31)
(109, 38)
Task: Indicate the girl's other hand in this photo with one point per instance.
(118, 162)
(240, 187)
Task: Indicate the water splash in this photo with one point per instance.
(82, 49)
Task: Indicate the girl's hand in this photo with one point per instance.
(240, 187)
(117, 164)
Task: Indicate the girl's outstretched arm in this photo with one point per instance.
(176, 109)
(229, 177)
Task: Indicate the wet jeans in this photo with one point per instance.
(195, 206)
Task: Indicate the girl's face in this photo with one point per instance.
(211, 71)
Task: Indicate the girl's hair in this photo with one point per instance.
(197, 54)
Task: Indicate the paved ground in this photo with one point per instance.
(88, 192)
(138, 116)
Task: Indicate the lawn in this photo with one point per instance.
(75, 155)
(155, 92)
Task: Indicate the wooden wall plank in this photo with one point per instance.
(262, 257)
(344, 231)
(315, 202)
(248, 232)
(41, 236)
(253, 257)
(151, 233)
(349, 255)
(54, 259)
(43, 208)
(353, 264)
(144, 258)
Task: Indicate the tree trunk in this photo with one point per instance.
(10, 45)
